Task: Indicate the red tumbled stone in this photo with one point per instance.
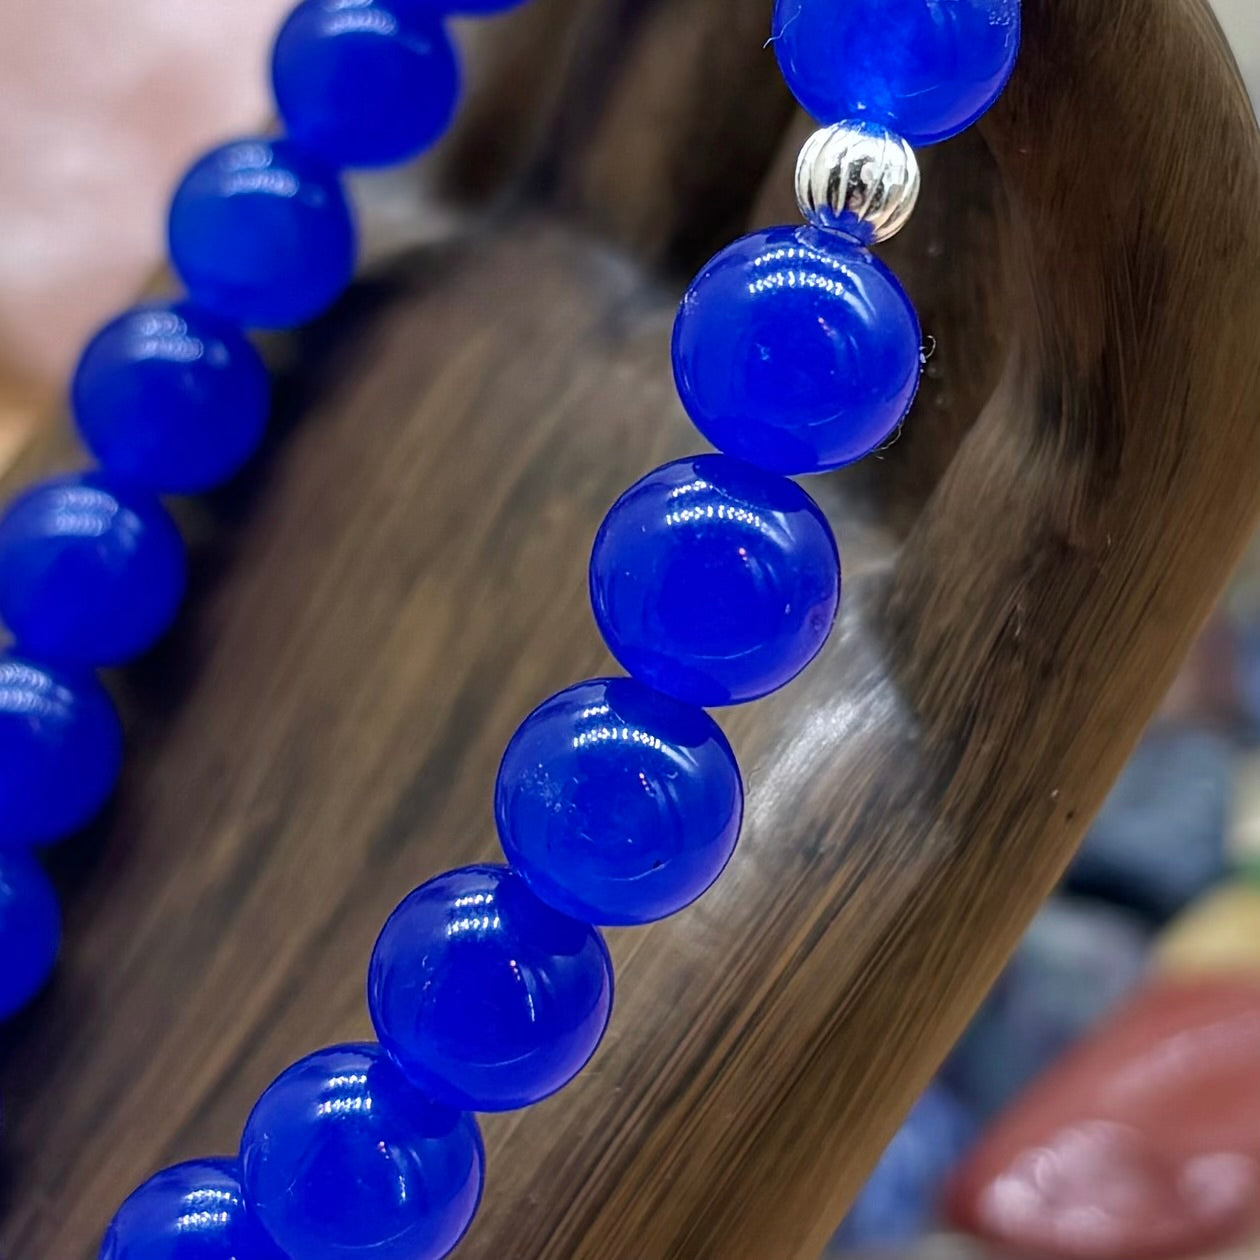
(1142, 1144)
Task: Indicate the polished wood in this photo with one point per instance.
(401, 577)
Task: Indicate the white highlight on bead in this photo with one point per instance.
(859, 178)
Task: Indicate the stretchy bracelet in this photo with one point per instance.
(714, 581)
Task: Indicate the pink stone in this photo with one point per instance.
(1142, 1144)
(1204, 692)
(103, 106)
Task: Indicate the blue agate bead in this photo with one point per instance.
(364, 82)
(925, 68)
(30, 930)
(796, 350)
(342, 1159)
(261, 232)
(91, 573)
(171, 397)
(715, 582)
(487, 998)
(618, 805)
(193, 1211)
(61, 748)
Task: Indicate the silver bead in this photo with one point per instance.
(859, 178)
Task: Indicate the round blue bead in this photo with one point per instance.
(715, 582)
(91, 573)
(193, 1211)
(364, 82)
(30, 930)
(487, 998)
(171, 398)
(61, 749)
(796, 350)
(926, 68)
(260, 231)
(342, 1159)
(617, 804)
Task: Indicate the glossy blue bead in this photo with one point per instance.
(260, 231)
(193, 1211)
(796, 350)
(926, 68)
(364, 82)
(30, 930)
(342, 1159)
(715, 582)
(488, 998)
(171, 397)
(91, 572)
(61, 748)
(617, 804)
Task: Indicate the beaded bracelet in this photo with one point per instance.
(714, 580)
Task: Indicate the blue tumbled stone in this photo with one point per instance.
(899, 1201)
(1159, 840)
(1077, 961)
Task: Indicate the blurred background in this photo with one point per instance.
(1106, 1100)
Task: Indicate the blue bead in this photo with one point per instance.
(91, 573)
(61, 750)
(926, 68)
(193, 1211)
(797, 350)
(617, 804)
(715, 582)
(900, 1200)
(364, 82)
(171, 397)
(487, 998)
(342, 1159)
(260, 231)
(30, 930)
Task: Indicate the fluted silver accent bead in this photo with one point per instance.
(859, 178)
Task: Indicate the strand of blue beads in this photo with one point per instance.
(714, 580)
(171, 398)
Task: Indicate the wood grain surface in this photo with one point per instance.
(400, 578)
